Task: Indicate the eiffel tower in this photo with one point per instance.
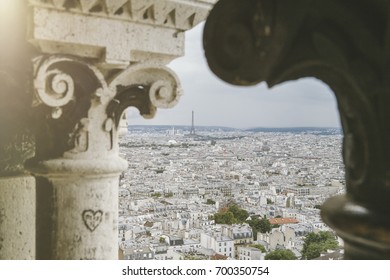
(192, 131)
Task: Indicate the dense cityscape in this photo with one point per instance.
(180, 183)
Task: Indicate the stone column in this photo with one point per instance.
(17, 216)
(17, 188)
(347, 47)
(93, 60)
(76, 163)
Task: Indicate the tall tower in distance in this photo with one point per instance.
(192, 131)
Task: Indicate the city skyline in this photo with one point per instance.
(304, 103)
(176, 195)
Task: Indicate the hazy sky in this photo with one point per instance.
(307, 102)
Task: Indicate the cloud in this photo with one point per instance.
(306, 102)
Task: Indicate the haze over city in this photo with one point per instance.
(304, 103)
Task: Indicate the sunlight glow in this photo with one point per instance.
(12, 27)
(8, 10)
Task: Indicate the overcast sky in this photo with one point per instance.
(307, 102)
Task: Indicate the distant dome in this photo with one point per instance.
(172, 142)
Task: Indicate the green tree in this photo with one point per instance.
(259, 246)
(169, 194)
(240, 214)
(156, 195)
(264, 225)
(259, 225)
(315, 243)
(232, 215)
(225, 218)
(313, 251)
(210, 201)
(280, 254)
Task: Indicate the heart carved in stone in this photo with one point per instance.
(92, 219)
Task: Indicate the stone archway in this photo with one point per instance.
(344, 45)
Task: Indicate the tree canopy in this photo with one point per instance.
(225, 218)
(280, 254)
(315, 243)
(157, 194)
(240, 214)
(259, 246)
(232, 215)
(169, 194)
(259, 225)
(210, 201)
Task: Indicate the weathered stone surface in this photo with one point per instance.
(77, 216)
(17, 218)
(85, 29)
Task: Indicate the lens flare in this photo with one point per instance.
(8, 10)
(12, 26)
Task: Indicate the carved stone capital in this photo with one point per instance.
(79, 111)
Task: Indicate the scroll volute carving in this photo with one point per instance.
(145, 87)
(340, 43)
(64, 92)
